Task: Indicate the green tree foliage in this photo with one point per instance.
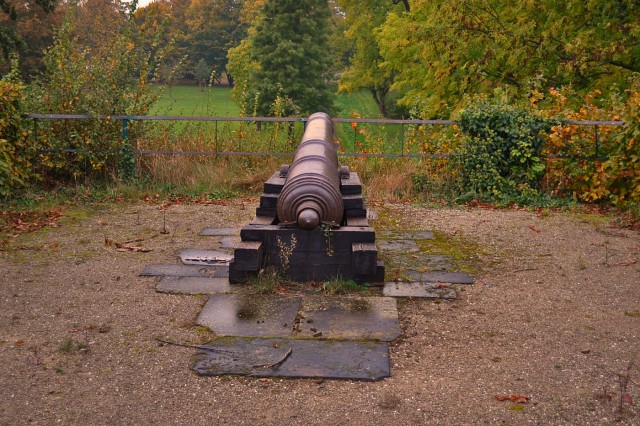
(240, 63)
(202, 73)
(161, 31)
(444, 49)
(289, 58)
(364, 70)
(214, 27)
(109, 79)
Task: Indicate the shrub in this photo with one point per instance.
(110, 79)
(501, 156)
(613, 173)
(15, 152)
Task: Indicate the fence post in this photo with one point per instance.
(35, 130)
(128, 160)
(215, 138)
(597, 142)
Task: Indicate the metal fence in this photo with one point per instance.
(352, 123)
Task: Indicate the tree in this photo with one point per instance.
(240, 64)
(202, 73)
(214, 28)
(363, 17)
(444, 49)
(290, 48)
(26, 28)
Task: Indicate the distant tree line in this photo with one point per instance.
(416, 58)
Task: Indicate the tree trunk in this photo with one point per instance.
(379, 97)
(230, 79)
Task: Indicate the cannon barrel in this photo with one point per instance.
(311, 193)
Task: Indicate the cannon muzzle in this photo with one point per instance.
(311, 194)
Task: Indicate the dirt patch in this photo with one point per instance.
(553, 317)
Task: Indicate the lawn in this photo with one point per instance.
(190, 101)
(216, 101)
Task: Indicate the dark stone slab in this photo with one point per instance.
(263, 220)
(406, 235)
(204, 257)
(274, 184)
(338, 240)
(268, 201)
(424, 290)
(229, 242)
(437, 262)
(398, 245)
(349, 213)
(440, 277)
(353, 202)
(352, 185)
(356, 318)
(248, 255)
(193, 285)
(219, 232)
(175, 270)
(357, 221)
(325, 359)
(250, 315)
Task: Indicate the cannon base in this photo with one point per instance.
(324, 253)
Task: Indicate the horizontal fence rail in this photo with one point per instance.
(352, 122)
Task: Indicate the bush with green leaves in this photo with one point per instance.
(16, 153)
(501, 156)
(110, 79)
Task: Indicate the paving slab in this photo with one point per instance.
(440, 277)
(361, 318)
(219, 232)
(193, 285)
(177, 270)
(397, 245)
(229, 242)
(204, 257)
(406, 235)
(437, 262)
(350, 360)
(422, 290)
(250, 315)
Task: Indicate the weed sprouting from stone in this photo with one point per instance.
(266, 281)
(340, 286)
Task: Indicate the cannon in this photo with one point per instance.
(311, 224)
(311, 194)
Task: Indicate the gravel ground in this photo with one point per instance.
(554, 316)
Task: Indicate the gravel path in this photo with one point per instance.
(554, 316)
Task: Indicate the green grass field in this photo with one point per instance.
(190, 101)
(216, 101)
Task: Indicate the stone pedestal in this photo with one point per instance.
(347, 251)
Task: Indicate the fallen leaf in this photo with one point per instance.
(534, 229)
(628, 399)
(138, 249)
(19, 343)
(137, 240)
(518, 399)
(627, 262)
